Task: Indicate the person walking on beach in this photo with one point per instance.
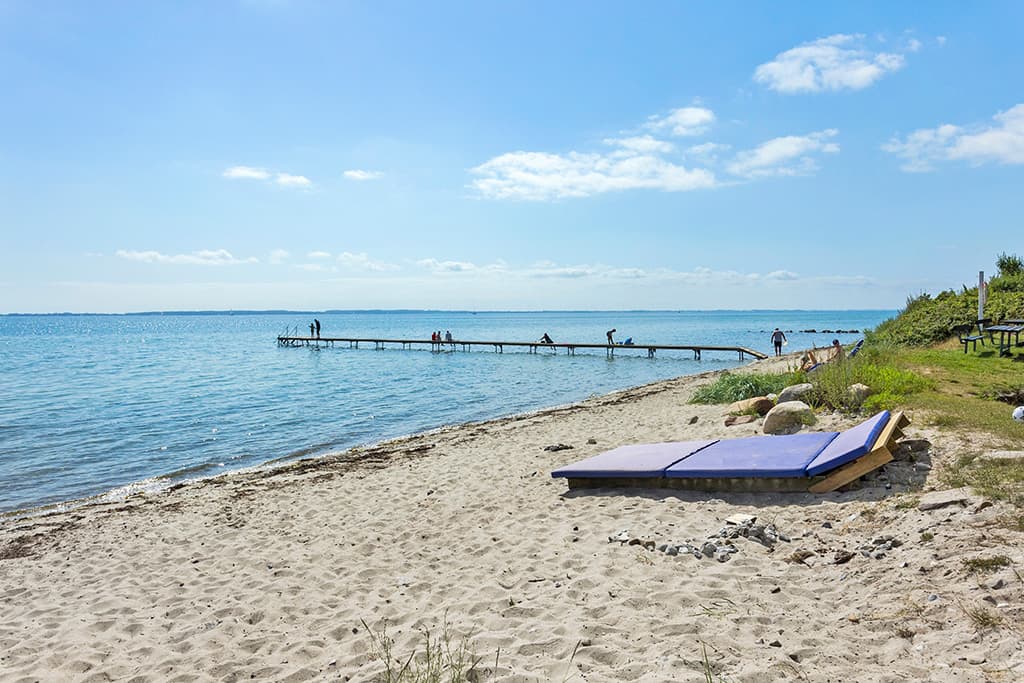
(609, 333)
(317, 323)
(778, 336)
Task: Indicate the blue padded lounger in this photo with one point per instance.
(755, 456)
(817, 461)
(641, 461)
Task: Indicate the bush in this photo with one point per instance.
(889, 385)
(734, 387)
(928, 320)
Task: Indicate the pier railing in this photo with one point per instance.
(499, 346)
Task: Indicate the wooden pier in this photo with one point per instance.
(499, 346)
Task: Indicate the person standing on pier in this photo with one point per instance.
(778, 337)
(609, 333)
(317, 323)
(311, 327)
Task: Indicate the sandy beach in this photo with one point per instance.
(275, 575)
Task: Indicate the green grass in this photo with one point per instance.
(730, 387)
(440, 659)
(984, 565)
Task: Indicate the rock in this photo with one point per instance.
(826, 525)
(1002, 455)
(591, 441)
(787, 418)
(722, 556)
(693, 420)
(983, 505)
(857, 393)
(775, 643)
(776, 590)
(996, 584)
(759, 404)
(672, 550)
(772, 397)
(976, 658)
(741, 519)
(795, 392)
(842, 557)
(739, 420)
(939, 499)
(558, 447)
(709, 548)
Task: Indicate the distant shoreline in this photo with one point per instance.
(387, 311)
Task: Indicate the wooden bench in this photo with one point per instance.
(965, 336)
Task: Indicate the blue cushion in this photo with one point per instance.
(756, 456)
(849, 445)
(643, 460)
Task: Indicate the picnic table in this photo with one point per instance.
(1009, 334)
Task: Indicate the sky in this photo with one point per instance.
(310, 155)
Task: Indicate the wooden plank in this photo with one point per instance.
(853, 471)
(893, 430)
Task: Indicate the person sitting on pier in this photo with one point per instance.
(628, 342)
(546, 339)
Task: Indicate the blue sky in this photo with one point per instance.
(520, 155)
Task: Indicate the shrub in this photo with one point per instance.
(1009, 264)
(889, 385)
(736, 387)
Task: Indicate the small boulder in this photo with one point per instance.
(739, 420)
(787, 418)
(938, 499)
(759, 404)
(795, 392)
(857, 393)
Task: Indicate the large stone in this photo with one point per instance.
(759, 404)
(795, 392)
(857, 393)
(1002, 455)
(787, 418)
(939, 499)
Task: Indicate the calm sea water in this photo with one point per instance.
(99, 405)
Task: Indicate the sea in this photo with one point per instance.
(104, 406)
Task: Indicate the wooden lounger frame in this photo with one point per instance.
(880, 454)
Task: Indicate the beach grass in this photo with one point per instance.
(441, 658)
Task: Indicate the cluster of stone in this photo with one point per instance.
(879, 546)
(717, 545)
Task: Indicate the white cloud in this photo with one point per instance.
(784, 156)
(289, 180)
(999, 142)
(279, 255)
(838, 62)
(541, 176)
(941, 40)
(682, 122)
(246, 172)
(359, 174)
(642, 144)
(363, 262)
(318, 254)
(437, 266)
(253, 173)
(205, 257)
(913, 45)
(707, 152)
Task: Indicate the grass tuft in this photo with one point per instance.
(731, 387)
(983, 618)
(442, 659)
(984, 565)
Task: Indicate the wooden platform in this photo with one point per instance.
(499, 346)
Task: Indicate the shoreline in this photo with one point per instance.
(278, 574)
(165, 482)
